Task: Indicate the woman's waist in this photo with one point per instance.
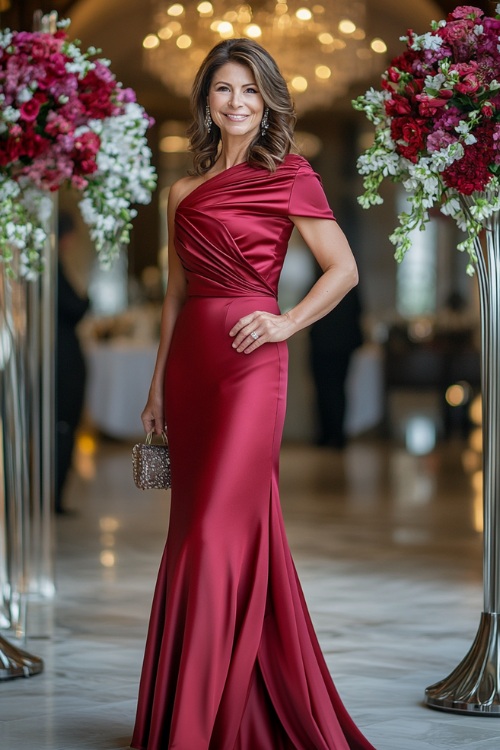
(228, 285)
(223, 312)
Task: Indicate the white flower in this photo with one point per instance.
(441, 159)
(5, 38)
(8, 188)
(451, 205)
(435, 82)
(426, 41)
(10, 114)
(376, 97)
(463, 127)
(24, 95)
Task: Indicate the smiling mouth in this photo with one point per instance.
(235, 118)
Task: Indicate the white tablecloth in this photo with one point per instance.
(119, 376)
(365, 390)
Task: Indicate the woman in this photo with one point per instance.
(232, 661)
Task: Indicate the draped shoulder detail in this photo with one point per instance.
(307, 197)
(232, 231)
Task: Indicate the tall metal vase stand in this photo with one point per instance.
(474, 686)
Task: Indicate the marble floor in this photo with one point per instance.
(388, 547)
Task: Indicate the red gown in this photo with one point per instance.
(232, 661)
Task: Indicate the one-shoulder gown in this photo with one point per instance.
(232, 661)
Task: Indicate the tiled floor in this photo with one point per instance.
(390, 559)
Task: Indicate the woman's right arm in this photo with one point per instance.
(153, 416)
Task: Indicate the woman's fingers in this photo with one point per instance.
(252, 331)
(152, 419)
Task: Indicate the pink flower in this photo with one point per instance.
(439, 139)
(74, 111)
(103, 73)
(488, 41)
(460, 37)
(78, 182)
(466, 11)
(449, 119)
(125, 95)
(57, 124)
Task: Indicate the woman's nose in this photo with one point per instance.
(235, 99)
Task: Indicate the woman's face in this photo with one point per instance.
(235, 102)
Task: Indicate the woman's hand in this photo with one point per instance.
(152, 417)
(260, 328)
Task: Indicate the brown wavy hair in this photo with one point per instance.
(267, 150)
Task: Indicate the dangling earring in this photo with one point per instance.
(264, 123)
(208, 119)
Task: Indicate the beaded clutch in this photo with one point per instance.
(151, 464)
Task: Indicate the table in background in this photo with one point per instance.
(119, 376)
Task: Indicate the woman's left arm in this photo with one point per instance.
(329, 246)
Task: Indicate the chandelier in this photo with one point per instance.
(321, 48)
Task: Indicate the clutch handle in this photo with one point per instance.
(151, 434)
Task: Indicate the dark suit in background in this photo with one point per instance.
(70, 369)
(333, 341)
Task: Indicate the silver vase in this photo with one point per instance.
(15, 500)
(474, 685)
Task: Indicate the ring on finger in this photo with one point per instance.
(254, 335)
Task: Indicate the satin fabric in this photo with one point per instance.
(232, 661)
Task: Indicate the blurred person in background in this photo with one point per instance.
(334, 338)
(70, 363)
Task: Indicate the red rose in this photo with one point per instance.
(414, 87)
(394, 75)
(428, 105)
(87, 166)
(38, 49)
(468, 85)
(29, 110)
(96, 96)
(397, 105)
(409, 135)
(34, 145)
(87, 145)
(84, 153)
(13, 150)
(487, 110)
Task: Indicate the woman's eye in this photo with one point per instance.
(252, 91)
(222, 88)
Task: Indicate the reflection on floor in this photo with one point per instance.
(388, 547)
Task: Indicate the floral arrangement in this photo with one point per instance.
(65, 120)
(437, 127)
